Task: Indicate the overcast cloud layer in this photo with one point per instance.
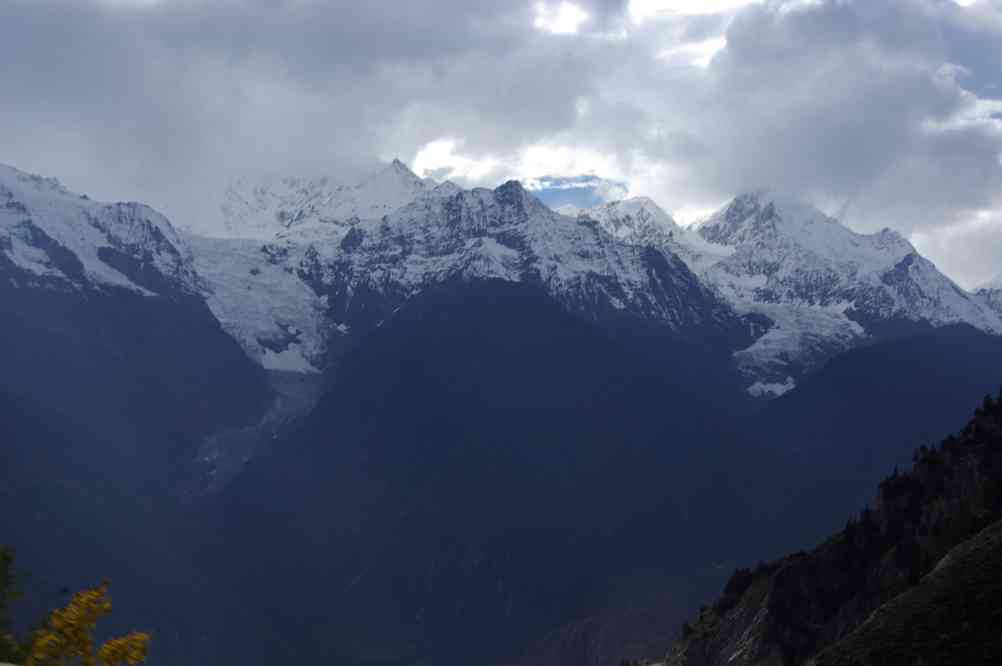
(885, 113)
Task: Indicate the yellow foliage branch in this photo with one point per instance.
(68, 637)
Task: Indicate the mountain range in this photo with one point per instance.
(482, 426)
(302, 263)
(785, 285)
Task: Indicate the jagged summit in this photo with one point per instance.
(446, 189)
(990, 295)
(799, 254)
(517, 201)
(52, 237)
(13, 177)
(321, 278)
(261, 208)
(823, 286)
(766, 218)
(641, 221)
(394, 174)
(507, 233)
(635, 220)
(817, 286)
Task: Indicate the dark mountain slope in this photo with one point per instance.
(127, 368)
(71, 527)
(787, 611)
(474, 477)
(104, 395)
(868, 409)
(952, 616)
(865, 411)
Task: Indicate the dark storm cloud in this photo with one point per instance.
(160, 100)
(866, 104)
(869, 109)
(849, 100)
(866, 107)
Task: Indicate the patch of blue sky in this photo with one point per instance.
(579, 191)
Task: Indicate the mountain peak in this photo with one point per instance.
(447, 188)
(762, 213)
(398, 168)
(269, 206)
(638, 221)
(510, 187)
(642, 206)
(823, 285)
(513, 196)
(395, 184)
(756, 211)
(14, 177)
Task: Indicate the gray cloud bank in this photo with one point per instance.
(878, 110)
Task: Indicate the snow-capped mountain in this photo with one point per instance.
(52, 237)
(821, 287)
(990, 295)
(301, 263)
(261, 208)
(105, 324)
(852, 285)
(253, 283)
(640, 221)
(322, 275)
(508, 234)
(809, 285)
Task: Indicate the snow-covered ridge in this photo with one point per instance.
(637, 220)
(821, 287)
(326, 261)
(640, 221)
(788, 252)
(301, 263)
(51, 236)
(990, 295)
(508, 234)
(261, 208)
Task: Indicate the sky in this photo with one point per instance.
(881, 112)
